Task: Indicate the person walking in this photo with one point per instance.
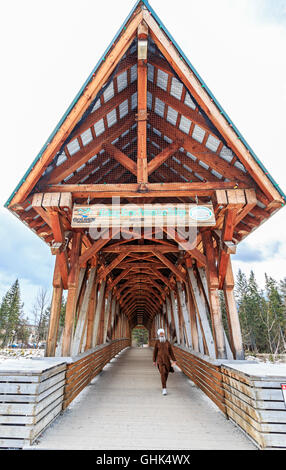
(162, 356)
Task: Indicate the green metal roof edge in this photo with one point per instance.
(148, 6)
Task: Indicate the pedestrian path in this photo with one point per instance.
(123, 408)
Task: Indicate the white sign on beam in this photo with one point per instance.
(145, 215)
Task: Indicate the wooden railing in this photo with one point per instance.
(83, 368)
(204, 372)
(247, 392)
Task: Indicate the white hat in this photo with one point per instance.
(161, 330)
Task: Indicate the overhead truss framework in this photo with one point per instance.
(145, 128)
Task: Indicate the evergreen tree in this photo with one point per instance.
(274, 317)
(250, 304)
(22, 331)
(223, 313)
(4, 309)
(10, 313)
(62, 315)
(140, 335)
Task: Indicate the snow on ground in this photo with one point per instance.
(18, 353)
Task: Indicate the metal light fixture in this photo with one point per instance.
(142, 49)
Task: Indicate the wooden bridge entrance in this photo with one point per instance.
(142, 193)
(123, 408)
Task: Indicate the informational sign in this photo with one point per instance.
(145, 215)
(283, 387)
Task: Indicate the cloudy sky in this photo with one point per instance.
(50, 47)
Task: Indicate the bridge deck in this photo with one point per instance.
(123, 408)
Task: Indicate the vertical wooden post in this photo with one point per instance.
(91, 308)
(101, 322)
(232, 315)
(115, 322)
(213, 284)
(193, 317)
(202, 314)
(91, 317)
(170, 317)
(81, 321)
(106, 316)
(118, 325)
(180, 316)
(113, 310)
(111, 313)
(72, 297)
(168, 334)
(176, 318)
(142, 173)
(97, 313)
(55, 312)
(183, 307)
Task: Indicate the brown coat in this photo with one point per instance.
(162, 354)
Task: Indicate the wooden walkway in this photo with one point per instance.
(123, 408)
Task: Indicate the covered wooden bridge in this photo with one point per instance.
(146, 132)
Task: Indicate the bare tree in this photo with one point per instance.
(40, 314)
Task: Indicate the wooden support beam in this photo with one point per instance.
(201, 310)
(101, 322)
(168, 248)
(235, 201)
(107, 314)
(213, 284)
(54, 322)
(59, 239)
(83, 155)
(251, 201)
(169, 265)
(104, 271)
(91, 316)
(55, 312)
(142, 71)
(180, 107)
(118, 279)
(106, 108)
(64, 267)
(81, 321)
(125, 161)
(176, 235)
(201, 152)
(157, 161)
(82, 191)
(176, 316)
(96, 247)
(99, 303)
(186, 318)
(192, 315)
(232, 315)
(72, 297)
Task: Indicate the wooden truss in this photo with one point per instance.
(144, 129)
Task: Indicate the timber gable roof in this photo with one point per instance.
(194, 140)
